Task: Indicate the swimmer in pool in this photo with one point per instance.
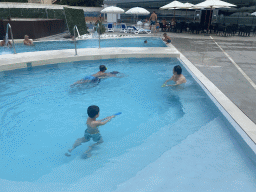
(93, 78)
(2, 43)
(92, 131)
(177, 77)
(166, 38)
(27, 41)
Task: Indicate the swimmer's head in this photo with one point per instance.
(114, 72)
(145, 41)
(93, 111)
(177, 69)
(103, 68)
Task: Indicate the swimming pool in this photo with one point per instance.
(41, 116)
(89, 43)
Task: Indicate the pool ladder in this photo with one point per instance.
(76, 30)
(6, 37)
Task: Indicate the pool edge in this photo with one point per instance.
(247, 128)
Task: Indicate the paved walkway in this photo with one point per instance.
(229, 62)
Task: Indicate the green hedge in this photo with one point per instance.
(75, 17)
(31, 13)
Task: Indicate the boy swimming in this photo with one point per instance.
(93, 78)
(92, 130)
(177, 77)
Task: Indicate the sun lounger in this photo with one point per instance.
(140, 31)
(110, 27)
(123, 28)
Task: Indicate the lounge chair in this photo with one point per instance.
(123, 28)
(140, 31)
(110, 27)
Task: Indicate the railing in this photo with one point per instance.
(6, 37)
(75, 28)
(77, 31)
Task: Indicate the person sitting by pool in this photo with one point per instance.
(166, 38)
(93, 78)
(2, 43)
(92, 131)
(177, 77)
(27, 41)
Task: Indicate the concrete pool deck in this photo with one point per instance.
(28, 59)
(200, 53)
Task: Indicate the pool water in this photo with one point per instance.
(89, 43)
(41, 117)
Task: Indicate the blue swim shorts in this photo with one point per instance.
(91, 78)
(153, 22)
(169, 41)
(95, 137)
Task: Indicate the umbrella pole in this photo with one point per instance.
(238, 17)
(205, 16)
(186, 15)
(209, 20)
(174, 15)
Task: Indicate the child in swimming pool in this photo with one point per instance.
(92, 130)
(93, 78)
(166, 38)
(177, 77)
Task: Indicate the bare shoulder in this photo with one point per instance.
(183, 79)
(95, 123)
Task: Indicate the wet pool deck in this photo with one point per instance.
(228, 62)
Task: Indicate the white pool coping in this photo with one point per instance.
(23, 60)
(30, 59)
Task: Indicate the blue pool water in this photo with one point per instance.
(41, 117)
(89, 43)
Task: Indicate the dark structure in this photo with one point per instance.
(34, 28)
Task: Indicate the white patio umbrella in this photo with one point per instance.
(137, 11)
(112, 9)
(212, 4)
(187, 6)
(173, 5)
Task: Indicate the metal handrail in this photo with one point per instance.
(77, 31)
(75, 39)
(13, 45)
(99, 33)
